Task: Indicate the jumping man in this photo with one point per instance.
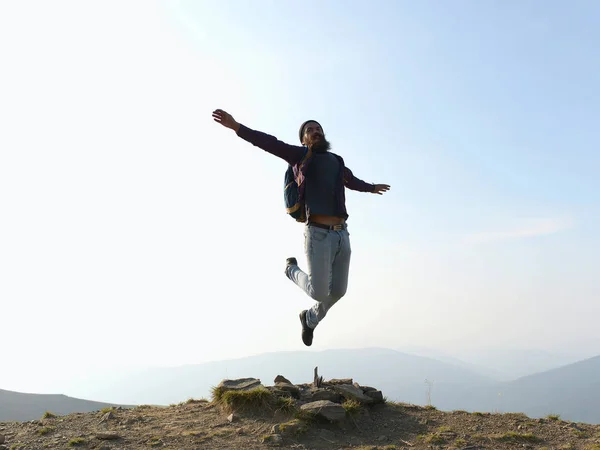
(321, 177)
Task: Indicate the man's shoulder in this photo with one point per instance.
(338, 157)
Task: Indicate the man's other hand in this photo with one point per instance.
(381, 188)
(225, 119)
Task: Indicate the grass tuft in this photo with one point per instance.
(286, 404)
(515, 437)
(352, 407)
(307, 417)
(48, 415)
(432, 438)
(295, 427)
(195, 400)
(155, 441)
(76, 442)
(254, 399)
(460, 443)
(580, 434)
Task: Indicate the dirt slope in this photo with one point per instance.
(203, 425)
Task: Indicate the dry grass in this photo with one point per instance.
(45, 430)
(352, 407)
(75, 442)
(256, 400)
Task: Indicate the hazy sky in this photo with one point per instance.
(135, 231)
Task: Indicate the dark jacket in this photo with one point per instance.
(293, 155)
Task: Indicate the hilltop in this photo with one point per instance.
(333, 414)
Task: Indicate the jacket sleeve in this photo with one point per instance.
(270, 144)
(356, 184)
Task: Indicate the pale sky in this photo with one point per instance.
(135, 231)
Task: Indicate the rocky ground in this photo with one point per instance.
(334, 414)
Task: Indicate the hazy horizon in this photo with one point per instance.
(128, 238)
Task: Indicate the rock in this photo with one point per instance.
(377, 396)
(313, 395)
(326, 395)
(317, 380)
(107, 436)
(293, 427)
(327, 435)
(288, 387)
(273, 439)
(240, 384)
(352, 392)
(326, 409)
(382, 438)
(448, 434)
(336, 381)
(230, 417)
(2, 439)
(366, 389)
(281, 393)
(281, 379)
(109, 415)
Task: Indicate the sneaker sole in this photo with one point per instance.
(303, 323)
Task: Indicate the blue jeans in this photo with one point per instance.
(326, 280)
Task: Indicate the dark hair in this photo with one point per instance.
(301, 132)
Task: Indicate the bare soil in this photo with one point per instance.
(200, 424)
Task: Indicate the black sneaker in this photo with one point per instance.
(290, 262)
(307, 332)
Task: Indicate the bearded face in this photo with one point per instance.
(314, 138)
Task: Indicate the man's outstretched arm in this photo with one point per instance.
(357, 184)
(287, 152)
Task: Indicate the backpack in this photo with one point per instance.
(290, 192)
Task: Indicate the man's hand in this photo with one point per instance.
(225, 119)
(380, 188)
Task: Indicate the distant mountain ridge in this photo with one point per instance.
(499, 363)
(400, 375)
(572, 391)
(18, 406)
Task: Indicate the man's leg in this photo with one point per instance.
(340, 265)
(319, 248)
(341, 268)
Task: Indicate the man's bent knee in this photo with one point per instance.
(319, 295)
(337, 295)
